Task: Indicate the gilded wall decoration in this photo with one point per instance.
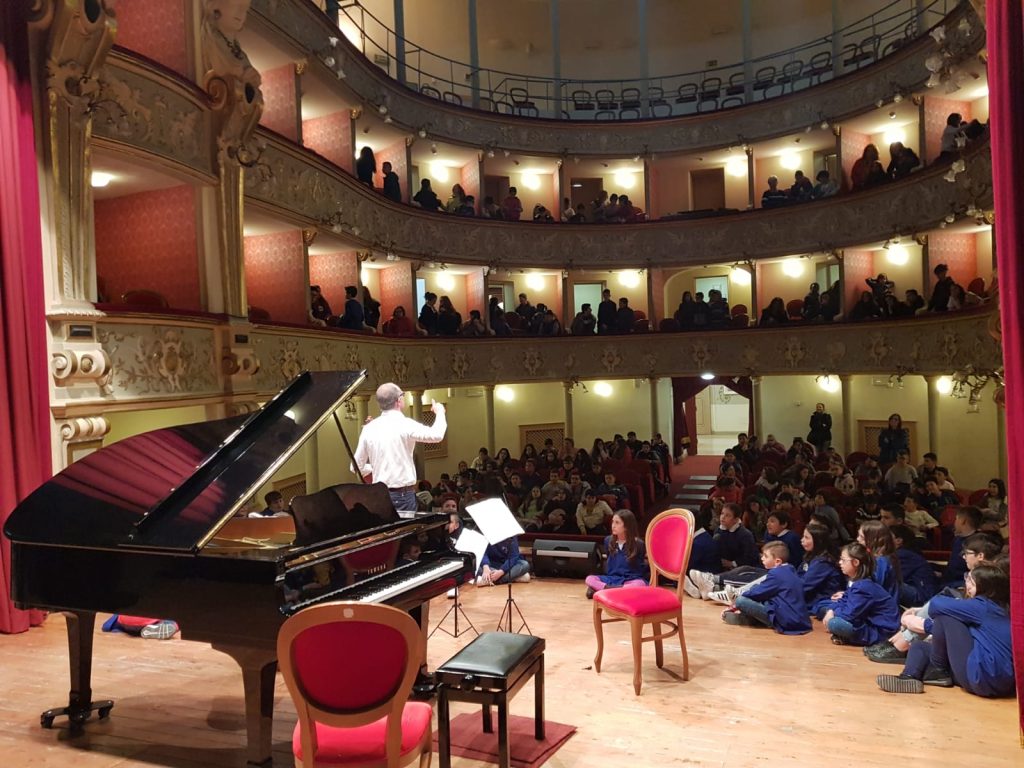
(701, 354)
(532, 360)
(878, 347)
(793, 351)
(611, 358)
(459, 364)
(159, 359)
(289, 361)
(856, 92)
(306, 187)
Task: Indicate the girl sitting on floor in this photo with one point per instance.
(819, 571)
(877, 538)
(864, 613)
(627, 556)
(970, 641)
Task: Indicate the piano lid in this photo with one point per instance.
(173, 488)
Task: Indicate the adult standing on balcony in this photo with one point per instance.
(366, 166)
(386, 445)
(606, 312)
(512, 207)
(392, 187)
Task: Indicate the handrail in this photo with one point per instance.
(860, 43)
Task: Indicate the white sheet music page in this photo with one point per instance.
(495, 520)
(472, 543)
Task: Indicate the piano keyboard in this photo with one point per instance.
(384, 586)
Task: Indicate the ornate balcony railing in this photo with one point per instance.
(856, 45)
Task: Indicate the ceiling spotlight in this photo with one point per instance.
(879, 103)
(506, 152)
(897, 98)
(892, 114)
(950, 218)
(490, 153)
(636, 158)
(422, 132)
(433, 149)
(824, 125)
(100, 179)
(329, 61)
(383, 109)
(332, 41)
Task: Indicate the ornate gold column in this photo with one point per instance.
(489, 414)
(653, 384)
(849, 422)
(567, 396)
(236, 105)
(933, 416)
(755, 386)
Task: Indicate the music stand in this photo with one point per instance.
(497, 523)
(475, 544)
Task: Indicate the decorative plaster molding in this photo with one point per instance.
(309, 189)
(300, 24)
(159, 359)
(83, 428)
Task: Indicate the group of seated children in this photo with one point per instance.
(959, 637)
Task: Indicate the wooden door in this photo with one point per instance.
(867, 437)
(707, 189)
(703, 403)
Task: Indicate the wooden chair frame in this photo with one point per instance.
(309, 714)
(673, 617)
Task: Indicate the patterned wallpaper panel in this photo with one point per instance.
(330, 137)
(396, 290)
(279, 101)
(658, 288)
(956, 250)
(332, 272)
(274, 275)
(853, 144)
(936, 111)
(470, 181)
(156, 30)
(131, 229)
(394, 154)
(858, 266)
(476, 293)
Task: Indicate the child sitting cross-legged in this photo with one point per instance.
(918, 582)
(970, 642)
(877, 538)
(864, 612)
(819, 571)
(777, 600)
(777, 529)
(738, 552)
(626, 565)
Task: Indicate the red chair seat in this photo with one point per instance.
(342, 746)
(638, 601)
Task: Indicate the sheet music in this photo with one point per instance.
(495, 520)
(473, 543)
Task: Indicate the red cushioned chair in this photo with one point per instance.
(738, 309)
(144, 298)
(978, 498)
(668, 540)
(354, 709)
(795, 309)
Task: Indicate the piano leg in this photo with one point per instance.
(80, 706)
(259, 672)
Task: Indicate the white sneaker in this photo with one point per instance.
(723, 596)
(704, 581)
(524, 579)
(690, 588)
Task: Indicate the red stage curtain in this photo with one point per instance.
(684, 411)
(24, 395)
(1005, 30)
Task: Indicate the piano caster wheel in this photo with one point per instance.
(46, 721)
(77, 719)
(104, 712)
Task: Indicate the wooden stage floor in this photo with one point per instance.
(754, 698)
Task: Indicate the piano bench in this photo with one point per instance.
(490, 671)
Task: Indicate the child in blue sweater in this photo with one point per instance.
(503, 563)
(738, 552)
(970, 641)
(626, 565)
(819, 571)
(864, 613)
(777, 529)
(777, 601)
(703, 552)
(918, 582)
(876, 537)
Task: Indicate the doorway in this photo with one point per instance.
(504, 291)
(707, 189)
(721, 415)
(585, 190)
(586, 293)
(496, 187)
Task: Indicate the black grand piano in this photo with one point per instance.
(144, 526)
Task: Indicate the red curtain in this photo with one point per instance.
(1005, 40)
(684, 409)
(24, 395)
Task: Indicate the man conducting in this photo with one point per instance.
(386, 445)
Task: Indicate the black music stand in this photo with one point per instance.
(497, 523)
(454, 611)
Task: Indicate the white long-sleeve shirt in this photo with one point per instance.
(386, 445)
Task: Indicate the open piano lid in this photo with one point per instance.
(172, 489)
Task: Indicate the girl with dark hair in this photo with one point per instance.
(529, 452)
(626, 565)
(366, 166)
(820, 569)
(893, 439)
(502, 457)
(995, 508)
(877, 538)
(970, 641)
(864, 613)
(598, 453)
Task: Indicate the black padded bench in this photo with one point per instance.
(490, 671)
